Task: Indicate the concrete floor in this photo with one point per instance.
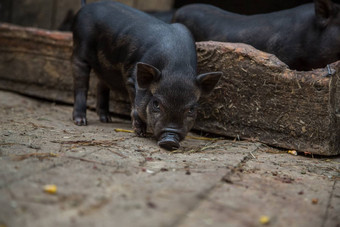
(109, 178)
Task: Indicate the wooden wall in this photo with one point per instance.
(49, 14)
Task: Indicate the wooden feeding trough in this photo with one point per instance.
(258, 98)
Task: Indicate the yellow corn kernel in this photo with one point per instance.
(50, 188)
(292, 152)
(264, 219)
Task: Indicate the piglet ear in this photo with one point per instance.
(146, 74)
(323, 11)
(208, 81)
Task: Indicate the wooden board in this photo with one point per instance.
(49, 14)
(258, 98)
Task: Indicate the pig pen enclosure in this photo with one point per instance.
(260, 113)
(259, 98)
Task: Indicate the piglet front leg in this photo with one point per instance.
(139, 126)
(81, 71)
(103, 99)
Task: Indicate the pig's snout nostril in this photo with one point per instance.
(168, 145)
(169, 141)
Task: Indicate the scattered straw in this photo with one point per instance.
(40, 156)
(123, 130)
(201, 138)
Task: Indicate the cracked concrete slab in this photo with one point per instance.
(109, 178)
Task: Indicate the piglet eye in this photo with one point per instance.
(155, 105)
(192, 111)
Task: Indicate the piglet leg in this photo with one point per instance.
(103, 98)
(81, 75)
(138, 124)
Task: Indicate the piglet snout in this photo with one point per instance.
(169, 141)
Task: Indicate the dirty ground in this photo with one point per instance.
(105, 177)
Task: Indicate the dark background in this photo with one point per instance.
(50, 14)
(247, 6)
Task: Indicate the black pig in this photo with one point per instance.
(156, 62)
(304, 37)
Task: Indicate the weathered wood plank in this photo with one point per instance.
(258, 97)
(64, 9)
(36, 13)
(6, 10)
(160, 5)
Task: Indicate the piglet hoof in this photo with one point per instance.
(105, 118)
(80, 121)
